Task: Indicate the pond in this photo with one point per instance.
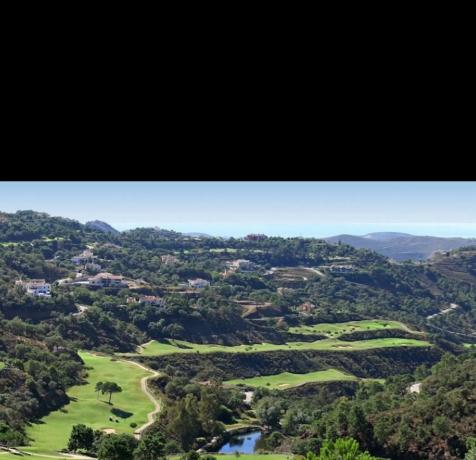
(242, 443)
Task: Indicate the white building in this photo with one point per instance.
(198, 283)
(107, 280)
(38, 287)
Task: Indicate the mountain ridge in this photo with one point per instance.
(402, 247)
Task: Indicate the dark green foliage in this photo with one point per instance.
(82, 437)
(117, 447)
(151, 447)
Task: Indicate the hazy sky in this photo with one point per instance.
(275, 208)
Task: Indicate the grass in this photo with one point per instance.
(155, 348)
(288, 380)
(2, 364)
(467, 345)
(337, 329)
(8, 456)
(52, 433)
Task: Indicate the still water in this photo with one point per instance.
(242, 443)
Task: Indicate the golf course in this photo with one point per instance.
(337, 329)
(155, 348)
(288, 379)
(129, 406)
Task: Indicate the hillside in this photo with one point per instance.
(203, 309)
(401, 246)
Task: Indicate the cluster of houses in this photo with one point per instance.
(36, 287)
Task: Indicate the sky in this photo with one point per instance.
(309, 209)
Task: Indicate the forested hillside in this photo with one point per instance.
(167, 299)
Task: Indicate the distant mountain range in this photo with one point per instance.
(402, 246)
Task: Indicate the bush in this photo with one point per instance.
(133, 425)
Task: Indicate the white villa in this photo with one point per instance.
(37, 287)
(198, 283)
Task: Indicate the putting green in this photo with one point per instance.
(337, 329)
(155, 348)
(288, 380)
(52, 433)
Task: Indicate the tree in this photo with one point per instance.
(82, 437)
(117, 447)
(269, 411)
(471, 445)
(98, 388)
(151, 447)
(110, 387)
(340, 449)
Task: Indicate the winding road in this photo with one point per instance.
(153, 399)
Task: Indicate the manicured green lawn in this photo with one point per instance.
(287, 379)
(52, 433)
(8, 456)
(337, 329)
(178, 346)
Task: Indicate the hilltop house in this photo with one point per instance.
(83, 258)
(198, 283)
(107, 280)
(241, 264)
(37, 287)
